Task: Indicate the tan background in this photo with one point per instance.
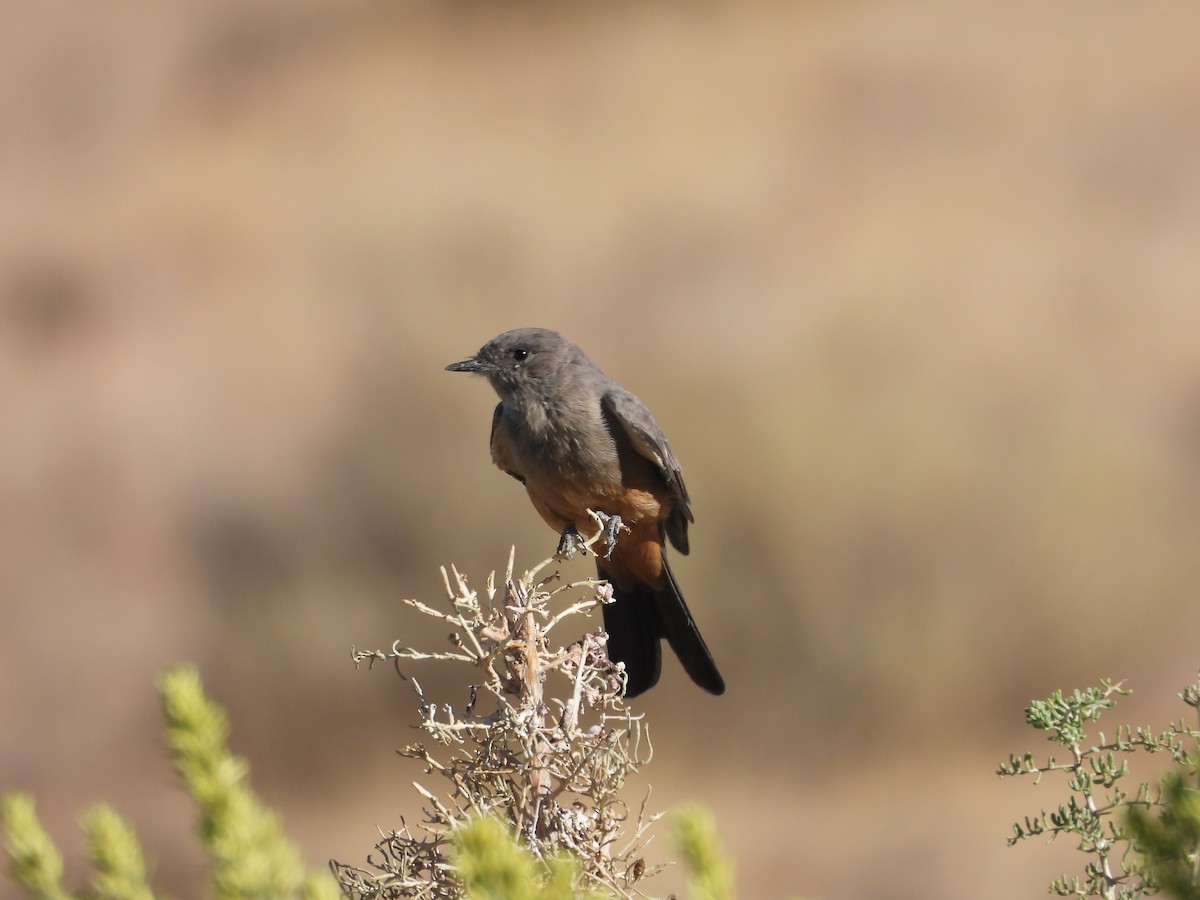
(912, 287)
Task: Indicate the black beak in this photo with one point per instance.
(467, 365)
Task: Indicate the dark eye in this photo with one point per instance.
(520, 354)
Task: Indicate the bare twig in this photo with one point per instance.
(556, 781)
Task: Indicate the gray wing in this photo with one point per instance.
(647, 438)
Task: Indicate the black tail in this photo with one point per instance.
(639, 618)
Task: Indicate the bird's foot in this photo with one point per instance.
(612, 526)
(570, 541)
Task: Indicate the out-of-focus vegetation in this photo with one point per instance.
(247, 851)
(911, 288)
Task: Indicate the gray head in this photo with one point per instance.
(521, 359)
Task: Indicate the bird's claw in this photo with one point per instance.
(612, 527)
(571, 540)
(568, 542)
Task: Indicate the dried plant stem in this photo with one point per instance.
(545, 741)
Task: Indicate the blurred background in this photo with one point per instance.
(912, 287)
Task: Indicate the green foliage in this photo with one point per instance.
(492, 865)
(1168, 842)
(34, 862)
(1137, 844)
(250, 857)
(116, 855)
(710, 872)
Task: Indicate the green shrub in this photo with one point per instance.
(1138, 840)
(249, 855)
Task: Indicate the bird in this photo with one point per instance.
(580, 443)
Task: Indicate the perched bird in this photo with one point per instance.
(578, 441)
